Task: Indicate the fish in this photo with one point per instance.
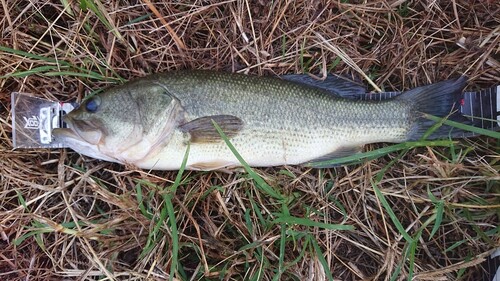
(150, 122)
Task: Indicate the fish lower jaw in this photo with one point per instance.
(93, 151)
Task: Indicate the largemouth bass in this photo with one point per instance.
(149, 122)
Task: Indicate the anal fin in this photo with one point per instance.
(342, 151)
(216, 165)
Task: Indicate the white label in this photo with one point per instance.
(31, 123)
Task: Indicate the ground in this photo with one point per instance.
(426, 213)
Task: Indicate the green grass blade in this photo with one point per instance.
(381, 173)
(341, 207)
(439, 204)
(151, 240)
(140, 201)
(178, 178)
(439, 218)
(167, 197)
(39, 241)
(480, 233)
(252, 245)
(396, 272)
(175, 236)
(91, 75)
(23, 237)
(359, 157)
(91, 5)
(300, 256)
(461, 271)
(283, 45)
(32, 71)
(464, 127)
(67, 7)
(258, 212)
(248, 222)
(98, 9)
(258, 180)
(281, 259)
(32, 56)
(455, 245)
(321, 258)
(391, 213)
(334, 64)
(46, 69)
(411, 259)
(432, 129)
(138, 19)
(21, 200)
(308, 222)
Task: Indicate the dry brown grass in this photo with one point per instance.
(81, 218)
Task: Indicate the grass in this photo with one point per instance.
(415, 211)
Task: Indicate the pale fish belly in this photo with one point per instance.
(263, 149)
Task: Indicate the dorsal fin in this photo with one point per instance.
(333, 84)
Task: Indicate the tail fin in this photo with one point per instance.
(441, 99)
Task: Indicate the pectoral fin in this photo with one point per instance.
(202, 129)
(338, 153)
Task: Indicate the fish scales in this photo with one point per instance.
(282, 122)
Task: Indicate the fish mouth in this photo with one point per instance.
(77, 130)
(66, 133)
(62, 134)
(78, 140)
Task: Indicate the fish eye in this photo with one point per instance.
(92, 104)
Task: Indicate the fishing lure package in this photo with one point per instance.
(33, 120)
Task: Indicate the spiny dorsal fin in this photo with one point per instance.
(333, 84)
(202, 129)
(343, 151)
